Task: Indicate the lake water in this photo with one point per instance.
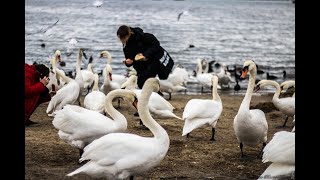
(228, 31)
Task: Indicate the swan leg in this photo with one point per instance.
(188, 135)
(241, 146)
(284, 124)
(131, 177)
(212, 138)
(169, 96)
(260, 153)
(201, 89)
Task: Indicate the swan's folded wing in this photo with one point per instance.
(281, 149)
(112, 147)
(202, 108)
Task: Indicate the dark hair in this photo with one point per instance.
(42, 69)
(123, 31)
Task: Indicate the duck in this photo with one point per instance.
(158, 106)
(201, 112)
(286, 105)
(281, 152)
(271, 77)
(250, 125)
(94, 100)
(79, 126)
(123, 155)
(236, 87)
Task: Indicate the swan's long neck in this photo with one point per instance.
(79, 77)
(215, 95)
(199, 68)
(95, 83)
(247, 98)
(144, 113)
(278, 90)
(89, 67)
(119, 119)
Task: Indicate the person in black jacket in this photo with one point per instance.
(142, 51)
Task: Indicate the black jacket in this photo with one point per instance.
(149, 46)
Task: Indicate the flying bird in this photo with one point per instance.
(181, 13)
(98, 3)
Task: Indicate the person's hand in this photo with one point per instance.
(139, 57)
(128, 61)
(52, 93)
(44, 80)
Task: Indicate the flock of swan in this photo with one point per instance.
(109, 151)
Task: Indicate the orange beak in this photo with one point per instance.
(244, 73)
(135, 103)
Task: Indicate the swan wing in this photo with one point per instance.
(281, 148)
(81, 122)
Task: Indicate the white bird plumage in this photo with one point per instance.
(79, 126)
(67, 94)
(286, 105)
(200, 112)
(120, 155)
(281, 152)
(158, 105)
(250, 125)
(95, 100)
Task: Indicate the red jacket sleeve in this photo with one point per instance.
(32, 90)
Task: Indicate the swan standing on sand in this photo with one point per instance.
(200, 112)
(120, 155)
(281, 152)
(250, 125)
(95, 100)
(285, 105)
(79, 126)
(157, 105)
(67, 94)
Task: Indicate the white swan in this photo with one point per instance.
(88, 76)
(286, 105)
(250, 125)
(167, 86)
(79, 78)
(281, 152)
(79, 126)
(158, 105)
(200, 112)
(68, 94)
(95, 99)
(116, 78)
(120, 155)
(288, 84)
(54, 60)
(108, 83)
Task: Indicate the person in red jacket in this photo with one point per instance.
(36, 92)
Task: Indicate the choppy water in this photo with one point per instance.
(226, 31)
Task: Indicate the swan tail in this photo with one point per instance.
(77, 171)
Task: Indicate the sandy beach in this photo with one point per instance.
(48, 157)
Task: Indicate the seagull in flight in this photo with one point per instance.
(181, 13)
